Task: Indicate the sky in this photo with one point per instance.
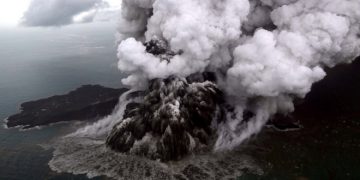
(12, 11)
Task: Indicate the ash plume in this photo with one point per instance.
(205, 75)
(264, 53)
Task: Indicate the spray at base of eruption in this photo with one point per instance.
(101, 128)
(85, 152)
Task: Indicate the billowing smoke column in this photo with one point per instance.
(262, 53)
(173, 119)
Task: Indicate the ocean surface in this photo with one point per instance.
(37, 63)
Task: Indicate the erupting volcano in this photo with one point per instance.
(207, 75)
(259, 55)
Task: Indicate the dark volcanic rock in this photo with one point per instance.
(84, 103)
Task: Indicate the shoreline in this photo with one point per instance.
(85, 103)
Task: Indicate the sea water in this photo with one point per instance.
(37, 63)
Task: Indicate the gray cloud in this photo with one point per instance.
(58, 12)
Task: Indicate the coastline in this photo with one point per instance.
(86, 103)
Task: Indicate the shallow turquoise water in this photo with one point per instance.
(36, 63)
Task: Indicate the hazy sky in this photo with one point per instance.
(11, 11)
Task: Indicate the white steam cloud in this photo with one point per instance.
(265, 52)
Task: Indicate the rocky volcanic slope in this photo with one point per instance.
(85, 103)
